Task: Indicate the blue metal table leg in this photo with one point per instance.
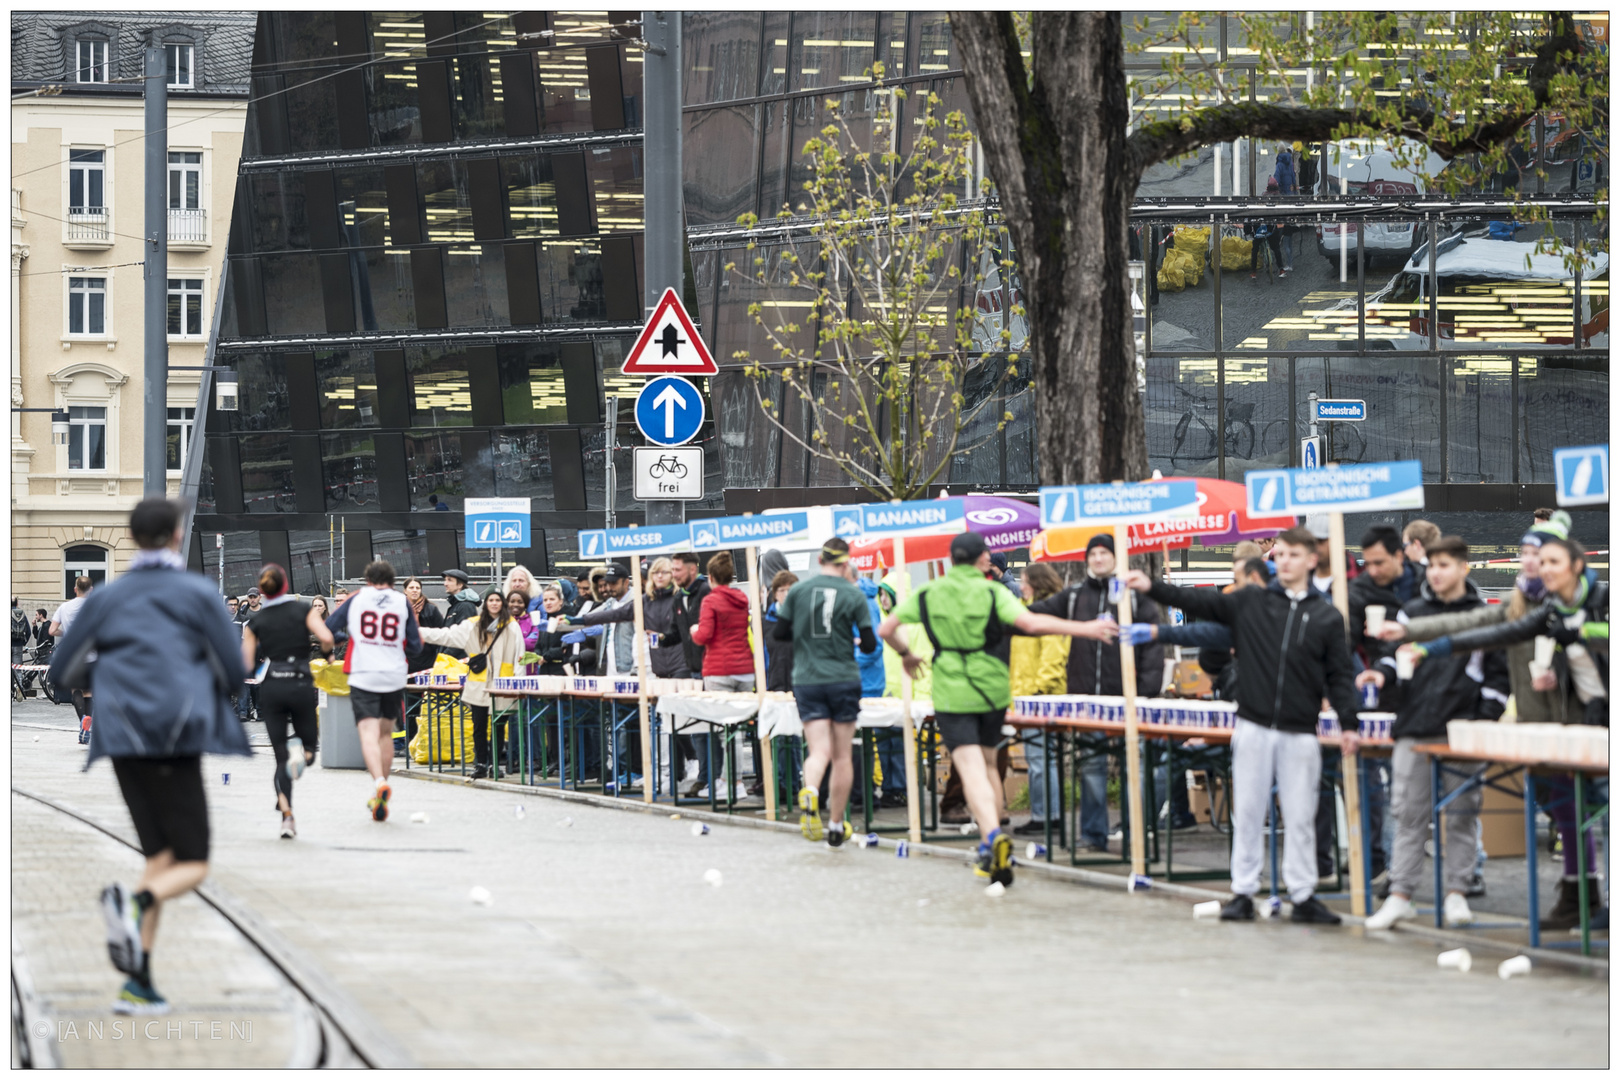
(1435, 773)
(1271, 839)
(1580, 862)
(1530, 858)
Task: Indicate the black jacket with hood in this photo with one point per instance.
(1461, 686)
(1094, 665)
(1290, 653)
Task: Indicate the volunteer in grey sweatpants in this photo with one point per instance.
(1291, 652)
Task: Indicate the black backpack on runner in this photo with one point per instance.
(994, 632)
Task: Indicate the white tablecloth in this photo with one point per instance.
(778, 715)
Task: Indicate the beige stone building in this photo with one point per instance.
(77, 289)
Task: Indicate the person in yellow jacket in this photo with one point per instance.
(496, 637)
(1039, 665)
(890, 746)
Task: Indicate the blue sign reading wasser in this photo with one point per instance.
(1582, 473)
(1118, 504)
(602, 543)
(1341, 409)
(916, 518)
(728, 532)
(1388, 485)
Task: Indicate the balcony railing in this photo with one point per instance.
(188, 226)
(88, 224)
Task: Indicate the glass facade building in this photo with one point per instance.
(435, 271)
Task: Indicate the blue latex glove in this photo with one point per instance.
(1139, 633)
(578, 636)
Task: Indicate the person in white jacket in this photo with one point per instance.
(495, 639)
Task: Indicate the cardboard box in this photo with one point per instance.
(1502, 818)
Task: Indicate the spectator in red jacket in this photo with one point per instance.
(728, 661)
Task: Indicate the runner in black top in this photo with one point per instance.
(279, 633)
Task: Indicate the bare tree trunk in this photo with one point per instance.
(1066, 178)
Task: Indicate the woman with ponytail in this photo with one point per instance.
(278, 635)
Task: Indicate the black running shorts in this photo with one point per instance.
(838, 702)
(377, 705)
(970, 729)
(166, 801)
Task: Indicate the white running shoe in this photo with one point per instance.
(289, 828)
(123, 917)
(1456, 910)
(1393, 911)
(295, 758)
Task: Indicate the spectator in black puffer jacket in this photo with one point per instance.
(778, 654)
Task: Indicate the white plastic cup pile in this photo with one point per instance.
(713, 877)
(1209, 909)
(1456, 960)
(1517, 965)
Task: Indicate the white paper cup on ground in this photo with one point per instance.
(1456, 960)
(1518, 965)
(1375, 619)
(1209, 909)
(480, 896)
(995, 888)
(713, 877)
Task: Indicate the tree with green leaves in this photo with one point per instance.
(867, 301)
(1054, 112)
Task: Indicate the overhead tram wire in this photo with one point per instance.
(77, 269)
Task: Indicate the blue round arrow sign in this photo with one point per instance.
(669, 411)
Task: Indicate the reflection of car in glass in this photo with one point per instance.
(1489, 294)
(1370, 167)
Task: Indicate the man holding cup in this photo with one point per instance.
(1463, 686)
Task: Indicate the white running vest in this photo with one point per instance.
(378, 623)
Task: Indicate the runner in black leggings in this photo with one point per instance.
(280, 633)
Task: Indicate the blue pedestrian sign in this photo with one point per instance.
(669, 411)
(1387, 485)
(730, 532)
(1582, 473)
(1310, 452)
(643, 540)
(496, 523)
(1118, 504)
(920, 517)
(1340, 409)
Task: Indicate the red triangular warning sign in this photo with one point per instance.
(669, 344)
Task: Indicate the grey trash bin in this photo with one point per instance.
(340, 742)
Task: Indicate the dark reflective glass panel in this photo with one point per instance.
(433, 470)
(348, 388)
(441, 393)
(268, 486)
(349, 466)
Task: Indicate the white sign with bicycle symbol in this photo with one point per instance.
(669, 472)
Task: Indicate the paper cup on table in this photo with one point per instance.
(1375, 619)
(1456, 960)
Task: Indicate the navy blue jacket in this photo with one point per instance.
(166, 662)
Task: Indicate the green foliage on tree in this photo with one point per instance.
(868, 305)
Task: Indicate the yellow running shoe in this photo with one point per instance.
(1001, 858)
(809, 814)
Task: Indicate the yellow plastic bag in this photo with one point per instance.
(330, 677)
(445, 741)
(1191, 265)
(1235, 252)
(1192, 239)
(1171, 279)
(449, 665)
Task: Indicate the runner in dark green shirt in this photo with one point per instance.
(965, 614)
(820, 616)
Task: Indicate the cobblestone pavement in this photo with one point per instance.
(603, 945)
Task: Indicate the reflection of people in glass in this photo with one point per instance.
(1265, 232)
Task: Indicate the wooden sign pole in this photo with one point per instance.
(1349, 762)
(907, 729)
(642, 657)
(756, 619)
(1127, 678)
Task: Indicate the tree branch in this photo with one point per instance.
(1167, 139)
